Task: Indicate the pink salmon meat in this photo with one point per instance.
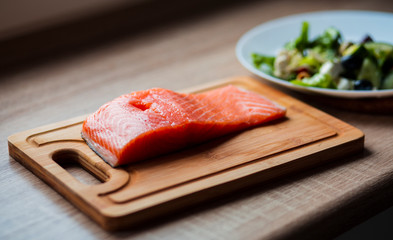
(146, 124)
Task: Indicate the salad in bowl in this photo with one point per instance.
(327, 61)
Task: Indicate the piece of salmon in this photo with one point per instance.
(145, 124)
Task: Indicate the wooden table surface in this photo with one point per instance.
(323, 201)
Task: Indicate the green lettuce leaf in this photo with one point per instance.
(317, 80)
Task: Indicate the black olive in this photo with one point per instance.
(366, 39)
(363, 85)
(349, 74)
(351, 62)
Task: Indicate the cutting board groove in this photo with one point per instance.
(131, 194)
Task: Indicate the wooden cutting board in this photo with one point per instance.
(132, 194)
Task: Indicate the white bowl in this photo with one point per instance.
(268, 38)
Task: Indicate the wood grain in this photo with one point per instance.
(319, 203)
(126, 191)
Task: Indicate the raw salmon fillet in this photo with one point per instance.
(145, 124)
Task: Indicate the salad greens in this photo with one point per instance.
(329, 62)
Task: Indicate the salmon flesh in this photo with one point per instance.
(146, 124)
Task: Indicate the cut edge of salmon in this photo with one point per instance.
(114, 159)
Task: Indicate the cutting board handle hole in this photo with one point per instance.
(71, 161)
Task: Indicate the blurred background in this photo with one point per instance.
(33, 31)
(18, 17)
